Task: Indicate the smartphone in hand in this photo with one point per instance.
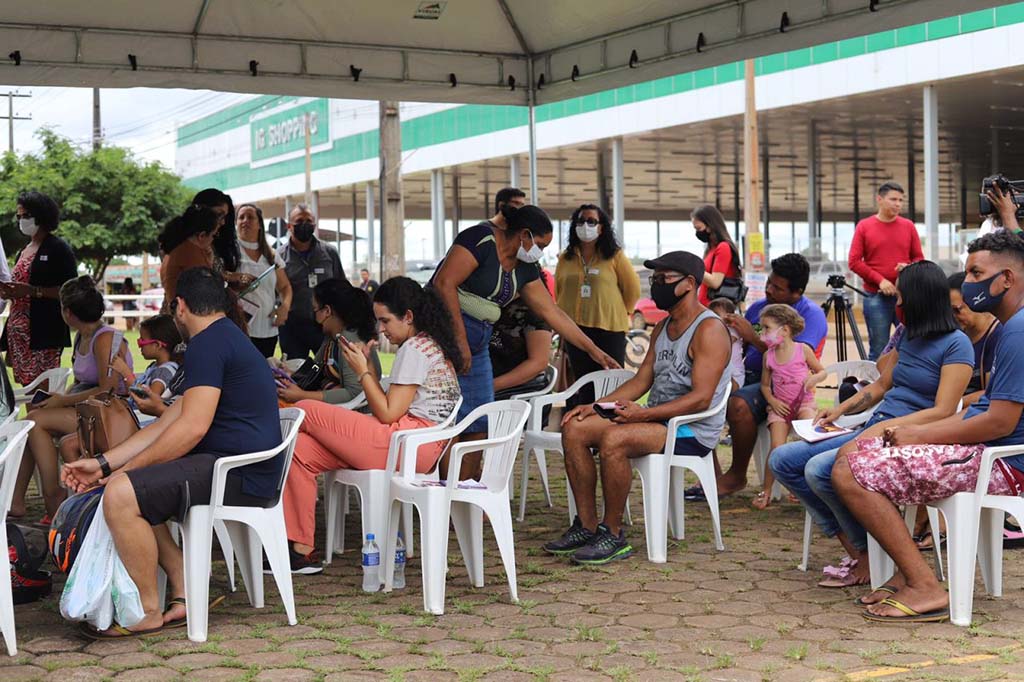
(40, 396)
(138, 391)
(606, 410)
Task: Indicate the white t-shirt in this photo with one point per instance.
(264, 297)
(420, 362)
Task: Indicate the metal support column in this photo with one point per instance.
(371, 228)
(736, 193)
(814, 245)
(437, 211)
(619, 208)
(657, 237)
(766, 201)
(514, 172)
(911, 176)
(355, 233)
(931, 169)
(534, 189)
(995, 152)
(456, 203)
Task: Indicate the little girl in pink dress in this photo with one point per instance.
(791, 371)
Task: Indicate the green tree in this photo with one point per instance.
(111, 204)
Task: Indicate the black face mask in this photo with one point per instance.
(703, 235)
(664, 295)
(303, 231)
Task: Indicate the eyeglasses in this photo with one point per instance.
(589, 221)
(664, 279)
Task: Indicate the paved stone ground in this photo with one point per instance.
(745, 614)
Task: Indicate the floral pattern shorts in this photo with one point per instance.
(918, 474)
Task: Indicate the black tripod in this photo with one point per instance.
(839, 302)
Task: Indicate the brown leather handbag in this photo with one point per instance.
(106, 419)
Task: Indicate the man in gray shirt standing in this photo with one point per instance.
(308, 261)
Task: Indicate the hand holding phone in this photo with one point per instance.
(606, 410)
(40, 396)
(139, 391)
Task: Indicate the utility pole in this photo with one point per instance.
(97, 130)
(392, 229)
(11, 118)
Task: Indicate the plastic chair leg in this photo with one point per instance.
(468, 520)
(501, 523)
(572, 500)
(880, 564)
(524, 478)
(274, 538)
(806, 556)
(704, 467)
(542, 467)
(226, 548)
(654, 484)
(990, 550)
(407, 530)
(7, 605)
(961, 548)
(676, 517)
(434, 553)
(936, 527)
(197, 543)
(332, 510)
(250, 560)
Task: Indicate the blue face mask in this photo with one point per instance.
(978, 297)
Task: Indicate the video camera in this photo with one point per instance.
(836, 281)
(1011, 188)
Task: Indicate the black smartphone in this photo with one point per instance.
(606, 410)
(40, 396)
(140, 392)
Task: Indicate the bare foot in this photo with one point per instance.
(922, 600)
(762, 501)
(861, 571)
(174, 613)
(729, 484)
(150, 622)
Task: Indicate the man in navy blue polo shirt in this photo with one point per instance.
(228, 407)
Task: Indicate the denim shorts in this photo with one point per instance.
(477, 386)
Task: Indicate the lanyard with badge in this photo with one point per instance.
(585, 289)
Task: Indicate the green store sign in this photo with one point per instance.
(283, 132)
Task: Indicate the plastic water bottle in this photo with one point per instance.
(399, 579)
(371, 565)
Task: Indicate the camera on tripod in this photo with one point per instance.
(1011, 188)
(836, 281)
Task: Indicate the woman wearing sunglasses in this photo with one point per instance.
(596, 285)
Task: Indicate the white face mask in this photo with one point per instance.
(531, 256)
(587, 233)
(252, 246)
(28, 226)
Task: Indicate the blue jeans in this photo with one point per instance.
(880, 317)
(806, 470)
(477, 387)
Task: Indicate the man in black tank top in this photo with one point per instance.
(630, 430)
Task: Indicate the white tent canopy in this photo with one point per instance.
(427, 50)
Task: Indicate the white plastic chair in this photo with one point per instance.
(861, 369)
(464, 503)
(14, 434)
(552, 373)
(58, 378)
(372, 485)
(661, 475)
(537, 441)
(974, 530)
(252, 530)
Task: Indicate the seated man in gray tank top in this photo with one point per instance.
(677, 384)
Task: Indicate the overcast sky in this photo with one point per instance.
(141, 119)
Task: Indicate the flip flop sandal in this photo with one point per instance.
(910, 615)
(694, 493)
(931, 547)
(888, 589)
(122, 632)
(180, 601)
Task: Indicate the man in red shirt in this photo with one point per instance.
(882, 245)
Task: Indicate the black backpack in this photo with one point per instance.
(28, 582)
(69, 526)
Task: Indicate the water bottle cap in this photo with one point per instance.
(369, 536)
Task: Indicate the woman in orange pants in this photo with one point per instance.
(423, 392)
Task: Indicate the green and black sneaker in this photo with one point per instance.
(603, 548)
(573, 539)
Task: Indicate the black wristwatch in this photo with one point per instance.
(104, 465)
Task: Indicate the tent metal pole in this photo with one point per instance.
(514, 171)
(618, 191)
(931, 169)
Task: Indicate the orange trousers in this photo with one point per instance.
(332, 438)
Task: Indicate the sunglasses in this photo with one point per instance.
(149, 342)
(589, 221)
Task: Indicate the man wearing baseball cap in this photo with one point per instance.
(677, 384)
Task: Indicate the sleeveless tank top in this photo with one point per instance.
(673, 378)
(788, 378)
(85, 367)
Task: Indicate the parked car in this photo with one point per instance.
(647, 314)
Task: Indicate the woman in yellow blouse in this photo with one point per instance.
(596, 285)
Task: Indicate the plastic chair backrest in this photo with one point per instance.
(863, 370)
(291, 418)
(505, 420)
(13, 435)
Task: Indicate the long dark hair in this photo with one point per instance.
(225, 242)
(195, 220)
(926, 308)
(349, 304)
(430, 315)
(606, 245)
(713, 220)
(162, 328)
(261, 235)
